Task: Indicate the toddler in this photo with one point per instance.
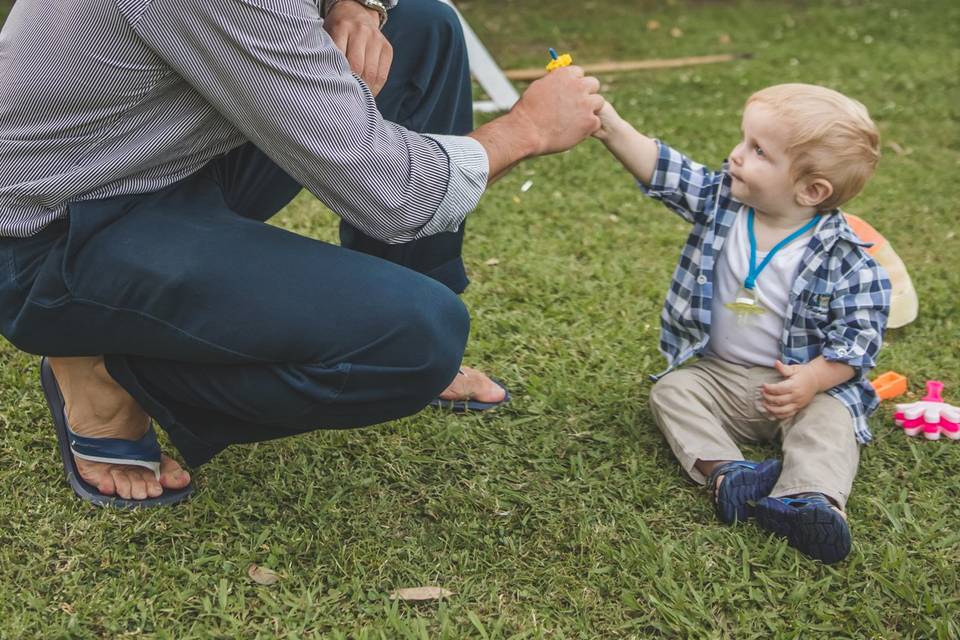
(775, 310)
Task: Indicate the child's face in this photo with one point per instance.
(759, 165)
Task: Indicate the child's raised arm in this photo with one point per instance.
(686, 187)
(635, 151)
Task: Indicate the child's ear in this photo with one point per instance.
(812, 193)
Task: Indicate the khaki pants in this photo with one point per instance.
(706, 408)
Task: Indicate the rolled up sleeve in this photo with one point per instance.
(684, 186)
(858, 312)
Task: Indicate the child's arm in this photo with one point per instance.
(635, 151)
(687, 187)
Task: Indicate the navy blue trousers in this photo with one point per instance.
(228, 330)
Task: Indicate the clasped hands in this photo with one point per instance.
(801, 383)
(355, 30)
(797, 389)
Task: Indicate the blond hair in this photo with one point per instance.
(830, 136)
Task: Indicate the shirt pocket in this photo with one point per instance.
(814, 306)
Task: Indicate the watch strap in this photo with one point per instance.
(376, 5)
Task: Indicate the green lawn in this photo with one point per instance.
(565, 515)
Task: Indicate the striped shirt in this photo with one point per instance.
(101, 98)
(838, 305)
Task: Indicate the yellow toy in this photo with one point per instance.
(557, 62)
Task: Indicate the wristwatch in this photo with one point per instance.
(376, 5)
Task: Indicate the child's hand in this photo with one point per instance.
(785, 399)
(608, 120)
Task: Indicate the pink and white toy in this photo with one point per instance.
(930, 416)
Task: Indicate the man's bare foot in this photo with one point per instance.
(98, 407)
(471, 384)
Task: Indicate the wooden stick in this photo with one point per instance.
(633, 65)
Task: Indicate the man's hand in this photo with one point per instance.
(355, 30)
(785, 399)
(561, 109)
(553, 114)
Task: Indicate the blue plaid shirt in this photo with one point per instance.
(839, 302)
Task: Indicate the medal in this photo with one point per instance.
(746, 303)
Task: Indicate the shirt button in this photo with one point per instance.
(701, 279)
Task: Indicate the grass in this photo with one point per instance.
(564, 516)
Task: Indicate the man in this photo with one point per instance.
(143, 143)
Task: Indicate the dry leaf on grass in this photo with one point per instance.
(492, 262)
(653, 25)
(262, 575)
(676, 32)
(418, 594)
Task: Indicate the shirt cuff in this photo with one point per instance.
(848, 352)
(469, 171)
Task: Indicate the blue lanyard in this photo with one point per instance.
(754, 269)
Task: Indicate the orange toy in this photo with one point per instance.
(889, 385)
(903, 299)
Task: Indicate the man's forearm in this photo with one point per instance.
(507, 140)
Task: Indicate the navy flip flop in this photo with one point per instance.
(144, 452)
(462, 406)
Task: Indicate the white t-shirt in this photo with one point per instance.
(752, 339)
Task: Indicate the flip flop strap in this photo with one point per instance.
(144, 452)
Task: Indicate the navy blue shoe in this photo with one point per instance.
(744, 482)
(144, 452)
(809, 523)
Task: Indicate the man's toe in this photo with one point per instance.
(491, 391)
(121, 482)
(105, 484)
(138, 486)
(97, 475)
(172, 476)
(154, 488)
